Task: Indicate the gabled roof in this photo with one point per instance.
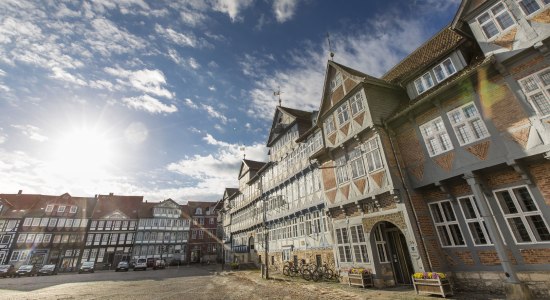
(202, 204)
(302, 118)
(250, 165)
(440, 44)
(146, 209)
(230, 192)
(466, 6)
(353, 74)
(128, 205)
(19, 204)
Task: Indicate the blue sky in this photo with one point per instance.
(157, 98)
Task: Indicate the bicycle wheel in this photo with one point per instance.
(286, 271)
(306, 274)
(316, 275)
(328, 274)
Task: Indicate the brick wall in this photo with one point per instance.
(540, 173)
(502, 177)
(536, 256)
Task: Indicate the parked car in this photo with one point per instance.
(122, 266)
(87, 267)
(47, 270)
(7, 271)
(159, 264)
(141, 264)
(26, 270)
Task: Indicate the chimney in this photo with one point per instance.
(110, 194)
(20, 192)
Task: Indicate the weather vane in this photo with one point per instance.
(330, 47)
(242, 148)
(278, 94)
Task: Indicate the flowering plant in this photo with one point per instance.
(429, 275)
(359, 271)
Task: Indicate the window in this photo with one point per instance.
(522, 215)
(537, 90)
(424, 83)
(211, 220)
(356, 103)
(5, 239)
(73, 209)
(30, 238)
(381, 245)
(344, 250)
(198, 211)
(358, 244)
(373, 155)
(476, 225)
(435, 137)
(194, 234)
(61, 208)
(15, 256)
(44, 222)
(201, 234)
(530, 6)
(21, 238)
(444, 70)
(336, 81)
(343, 114)
(446, 224)
(467, 124)
(329, 125)
(356, 161)
(341, 170)
(27, 222)
(49, 208)
(495, 20)
(47, 238)
(52, 222)
(39, 238)
(35, 222)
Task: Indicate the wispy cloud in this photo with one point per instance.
(179, 38)
(32, 132)
(149, 104)
(212, 112)
(190, 103)
(232, 8)
(284, 9)
(148, 81)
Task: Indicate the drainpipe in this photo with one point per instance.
(514, 288)
(401, 176)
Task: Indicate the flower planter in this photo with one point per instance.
(435, 286)
(363, 280)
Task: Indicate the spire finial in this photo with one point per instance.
(242, 148)
(278, 94)
(330, 47)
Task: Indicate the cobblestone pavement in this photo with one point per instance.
(192, 283)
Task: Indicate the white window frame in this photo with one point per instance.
(27, 222)
(521, 214)
(424, 83)
(359, 245)
(442, 222)
(330, 127)
(541, 88)
(22, 238)
(343, 114)
(468, 126)
(73, 209)
(436, 138)
(356, 103)
(356, 163)
(344, 248)
(52, 222)
(342, 175)
(49, 208)
(493, 19)
(446, 73)
(61, 208)
(336, 81)
(381, 245)
(475, 219)
(47, 238)
(373, 155)
(15, 256)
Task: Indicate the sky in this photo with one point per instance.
(163, 98)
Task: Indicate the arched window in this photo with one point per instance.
(198, 211)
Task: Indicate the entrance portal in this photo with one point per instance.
(388, 235)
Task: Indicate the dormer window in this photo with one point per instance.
(198, 211)
(49, 208)
(61, 208)
(444, 70)
(424, 83)
(495, 20)
(336, 81)
(73, 209)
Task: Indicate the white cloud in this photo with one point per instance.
(212, 112)
(32, 132)
(186, 40)
(192, 18)
(148, 81)
(190, 103)
(149, 104)
(212, 88)
(63, 75)
(232, 8)
(107, 38)
(136, 133)
(214, 172)
(3, 136)
(193, 63)
(284, 9)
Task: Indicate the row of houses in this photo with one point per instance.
(106, 229)
(442, 164)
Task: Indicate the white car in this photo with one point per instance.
(141, 264)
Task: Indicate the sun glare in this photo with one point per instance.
(83, 153)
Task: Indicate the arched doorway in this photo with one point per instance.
(251, 252)
(393, 252)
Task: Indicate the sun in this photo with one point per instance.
(83, 153)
